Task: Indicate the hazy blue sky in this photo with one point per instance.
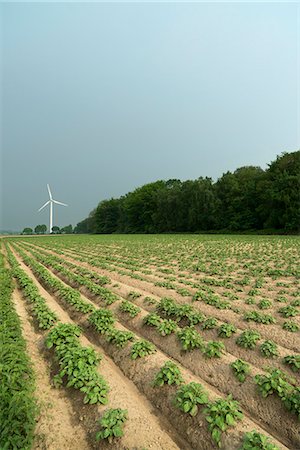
(100, 98)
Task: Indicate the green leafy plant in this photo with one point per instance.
(195, 317)
(167, 326)
(119, 338)
(264, 304)
(293, 361)
(269, 349)
(220, 415)
(240, 369)
(142, 348)
(169, 374)
(129, 308)
(258, 317)
(112, 424)
(150, 300)
(214, 349)
(134, 295)
(257, 441)
(209, 323)
(226, 330)
(288, 311)
(291, 326)
(102, 320)
(152, 319)
(248, 339)
(274, 381)
(189, 396)
(190, 338)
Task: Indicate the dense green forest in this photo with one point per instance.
(248, 199)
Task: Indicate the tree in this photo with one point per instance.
(239, 195)
(68, 229)
(107, 216)
(27, 231)
(40, 229)
(280, 206)
(55, 229)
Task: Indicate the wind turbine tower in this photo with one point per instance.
(51, 201)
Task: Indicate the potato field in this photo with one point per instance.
(159, 342)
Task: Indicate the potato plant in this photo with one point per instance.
(190, 339)
(269, 349)
(240, 369)
(248, 339)
(112, 423)
(168, 374)
(226, 330)
(142, 348)
(257, 441)
(293, 361)
(220, 415)
(130, 308)
(214, 349)
(189, 396)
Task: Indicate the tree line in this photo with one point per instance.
(248, 199)
(42, 229)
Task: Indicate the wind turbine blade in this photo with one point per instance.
(59, 203)
(44, 205)
(50, 195)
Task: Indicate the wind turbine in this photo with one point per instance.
(51, 201)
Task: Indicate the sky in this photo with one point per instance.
(100, 98)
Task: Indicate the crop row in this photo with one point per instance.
(18, 409)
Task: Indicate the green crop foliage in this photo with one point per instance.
(63, 332)
(119, 338)
(248, 339)
(264, 304)
(78, 365)
(291, 326)
(209, 323)
(167, 306)
(166, 327)
(257, 441)
(189, 396)
(18, 409)
(190, 339)
(226, 330)
(129, 308)
(258, 317)
(214, 349)
(168, 374)
(112, 424)
(195, 318)
(152, 319)
(134, 295)
(288, 311)
(142, 348)
(240, 369)
(102, 320)
(293, 361)
(275, 381)
(220, 415)
(269, 349)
